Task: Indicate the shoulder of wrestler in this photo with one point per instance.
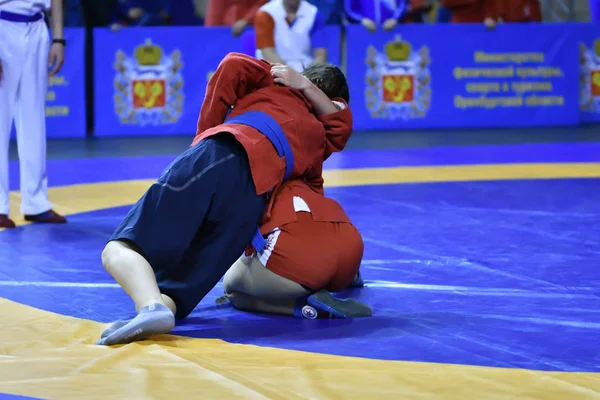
(343, 115)
(241, 63)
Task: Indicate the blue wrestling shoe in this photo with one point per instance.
(357, 282)
(323, 305)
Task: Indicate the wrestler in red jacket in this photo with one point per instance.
(287, 279)
(196, 219)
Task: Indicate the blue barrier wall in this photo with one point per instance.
(65, 99)
(448, 76)
(589, 76)
(151, 81)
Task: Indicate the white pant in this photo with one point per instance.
(24, 55)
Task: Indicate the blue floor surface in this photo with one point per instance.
(498, 273)
(92, 170)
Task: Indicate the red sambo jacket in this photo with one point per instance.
(245, 84)
(323, 209)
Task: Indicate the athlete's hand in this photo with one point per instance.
(56, 58)
(389, 24)
(369, 24)
(289, 77)
(489, 23)
(238, 27)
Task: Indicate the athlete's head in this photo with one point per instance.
(330, 79)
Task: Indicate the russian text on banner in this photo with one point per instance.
(459, 76)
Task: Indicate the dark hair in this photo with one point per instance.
(330, 79)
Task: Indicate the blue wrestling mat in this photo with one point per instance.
(489, 264)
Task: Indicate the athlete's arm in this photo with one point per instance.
(320, 55)
(264, 28)
(269, 54)
(322, 104)
(56, 57)
(333, 113)
(291, 78)
(236, 76)
(338, 128)
(318, 38)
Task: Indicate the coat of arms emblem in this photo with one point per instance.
(398, 81)
(148, 86)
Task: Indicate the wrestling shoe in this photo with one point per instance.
(48, 217)
(323, 305)
(357, 282)
(6, 222)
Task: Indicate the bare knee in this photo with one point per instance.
(229, 282)
(235, 277)
(112, 252)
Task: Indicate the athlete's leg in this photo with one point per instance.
(251, 287)
(30, 123)
(269, 282)
(156, 234)
(11, 57)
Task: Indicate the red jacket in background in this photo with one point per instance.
(246, 84)
(473, 11)
(228, 12)
(521, 10)
(323, 209)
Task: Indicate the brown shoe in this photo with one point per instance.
(6, 222)
(48, 217)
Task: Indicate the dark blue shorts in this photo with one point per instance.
(196, 220)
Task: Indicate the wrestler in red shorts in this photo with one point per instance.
(312, 249)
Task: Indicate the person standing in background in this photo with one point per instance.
(520, 11)
(330, 10)
(141, 13)
(443, 15)
(290, 32)
(238, 14)
(416, 11)
(375, 13)
(474, 11)
(26, 54)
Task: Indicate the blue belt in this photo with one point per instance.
(13, 17)
(266, 125)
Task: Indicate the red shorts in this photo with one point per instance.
(317, 255)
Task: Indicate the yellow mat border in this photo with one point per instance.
(75, 199)
(48, 355)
